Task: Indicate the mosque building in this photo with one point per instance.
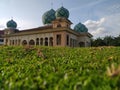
(56, 31)
(1, 38)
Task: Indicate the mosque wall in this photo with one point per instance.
(71, 40)
(61, 38)
(84, 41)
(59, 34)
(18, 40)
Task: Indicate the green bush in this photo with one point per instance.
(58, 68)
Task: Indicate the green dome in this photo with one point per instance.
(48, 16)
(11, 24)
(80, 28)
(62, 12)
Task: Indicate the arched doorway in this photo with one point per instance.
(46, 41)
(24, 42)
(31, 42)
(51, 41)
(82, 44)
(13, 42)
(59, 25)
(37, 41)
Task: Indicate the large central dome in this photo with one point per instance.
(48, 17)
(62, 12)
(11, 24)
(80, 28)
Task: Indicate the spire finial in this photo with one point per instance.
(52, 5)
(62, 4)
(11, 18)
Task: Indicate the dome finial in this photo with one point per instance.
(11, 18)
(52, 5)
(62, 4)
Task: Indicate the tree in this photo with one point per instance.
(109, 40)
(106, 41)
(98, 42)
(117, 41)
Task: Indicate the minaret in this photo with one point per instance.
(11, 27)
(62, 15)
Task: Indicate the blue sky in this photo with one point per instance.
(102, 17)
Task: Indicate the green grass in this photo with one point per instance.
(61, 68)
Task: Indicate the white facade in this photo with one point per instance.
(58, 33)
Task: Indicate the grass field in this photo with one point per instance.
(58, 68)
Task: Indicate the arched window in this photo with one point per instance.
(31, 42)
(67, 37)
(37, 41)
(82, 44)
(24, 42)
(13, 42)
(58, 39)
(67, 25)
(59, 25)
(46, 41)
(51, 41)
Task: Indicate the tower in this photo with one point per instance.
(62, 15)
(11, 27)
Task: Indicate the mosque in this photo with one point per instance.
(1, 38)
(56, 31)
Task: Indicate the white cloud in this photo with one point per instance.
(96, 27)
(93, 24)
(100, 30)
(109, 25)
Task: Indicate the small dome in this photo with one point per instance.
(11, 24)
(48, 16)
(62, 12)
(80, 28)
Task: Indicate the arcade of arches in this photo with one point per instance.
(39, 41)
(48, 41)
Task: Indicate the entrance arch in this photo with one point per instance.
(82, 44)
(46, 41)
(24, 42)
(37, 41)
(51, 41)
(31, 42)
